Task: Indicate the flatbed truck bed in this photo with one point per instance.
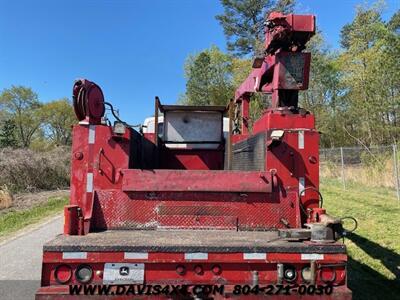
(187, 241)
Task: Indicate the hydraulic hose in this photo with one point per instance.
(117, 118)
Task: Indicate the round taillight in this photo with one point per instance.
(289, 273)
(84, 273)
(181, 270)
(327, 274)
(198, 270)
(63, 274)
(216, 269)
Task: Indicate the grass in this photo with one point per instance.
(374, 249)
(15, 220)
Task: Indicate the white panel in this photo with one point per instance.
(92, 134)
(196, 255)
(74, 255)
(301, 139)
(89, 182)
(181, 126)
(312, 256)
(255, 256)
(133, 273)
(301, 184)
(136, 255)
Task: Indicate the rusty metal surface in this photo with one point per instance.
(285, 38)
(114, 209)
(196, 181)
(186, 240)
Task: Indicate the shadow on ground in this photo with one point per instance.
(365, 282)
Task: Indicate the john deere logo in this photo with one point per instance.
(124, 271)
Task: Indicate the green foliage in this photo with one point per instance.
(58, 118)
(7, 134)
(370, 78)
(394, 23)
(243, 23)
(323, 96)
(26, 122)
(356, 94)
(23, 104)
(209, 78)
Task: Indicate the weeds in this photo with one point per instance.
(27, 170)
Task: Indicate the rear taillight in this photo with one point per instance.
(181, 270)
(216, 269)
(63, 274)
(84, 274)
(198, 269)
(327, 274)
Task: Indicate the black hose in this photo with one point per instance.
(321, 199)
(355, 223)
(117, 118)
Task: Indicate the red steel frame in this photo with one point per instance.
(102, 181)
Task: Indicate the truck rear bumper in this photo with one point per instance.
(191, 258)
(63, 292)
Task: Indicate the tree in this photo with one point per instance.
(370, 70)
(323, 95)
(243, 23)
(7, 134)
(58, 118)
(212, 78)
(24, 107)
(394, 23)
(209, 78)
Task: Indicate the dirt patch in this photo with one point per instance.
(25, 201)
(6, 198)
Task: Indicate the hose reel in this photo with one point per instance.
(88, 101)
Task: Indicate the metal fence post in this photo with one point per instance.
(342, 159)
(396, 171)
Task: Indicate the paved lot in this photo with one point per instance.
(21, 257)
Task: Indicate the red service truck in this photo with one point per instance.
(185, 211)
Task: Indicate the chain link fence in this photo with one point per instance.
(374, 166)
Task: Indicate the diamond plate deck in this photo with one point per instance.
(186, 241)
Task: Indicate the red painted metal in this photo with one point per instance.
(132, 181)
(71, 219)
(284, 70)
(62, 292)
(192, 159)
(199, 181)
(114, 209)
(88, 101)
